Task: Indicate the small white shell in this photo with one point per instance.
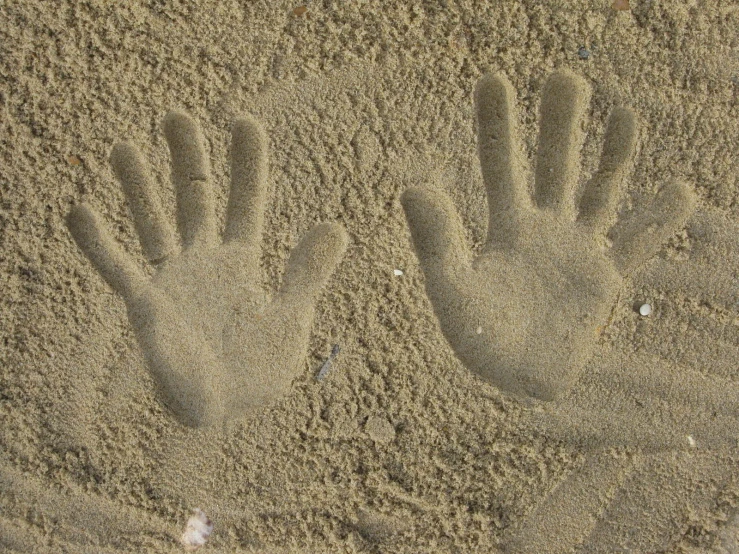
(198, 529)
(645, 309)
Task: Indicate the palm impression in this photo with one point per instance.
(525, 314)
(217, 345)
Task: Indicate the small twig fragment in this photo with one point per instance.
(327, 364)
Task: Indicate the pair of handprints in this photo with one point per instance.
(523, 315)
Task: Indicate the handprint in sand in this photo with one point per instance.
(525, 314)
(218, 347)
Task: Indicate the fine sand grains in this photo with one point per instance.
(405, 445)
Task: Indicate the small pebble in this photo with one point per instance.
(583, 52)
(479, 330)
(397, 272)
(691, 441)
(380, 429)
(645, 309)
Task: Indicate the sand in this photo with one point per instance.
(200, 201)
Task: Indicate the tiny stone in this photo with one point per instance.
(479, 330)
(583, 52)
(645, 309)
(691, 441)
(397, 272)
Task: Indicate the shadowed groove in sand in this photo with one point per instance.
(217, 346)
(80, 518)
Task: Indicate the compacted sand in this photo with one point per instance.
(534, 411)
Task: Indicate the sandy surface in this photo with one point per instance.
(409, 443)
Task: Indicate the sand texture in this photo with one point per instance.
(365, 277)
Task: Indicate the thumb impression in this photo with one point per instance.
(438, 235)
(312, 262)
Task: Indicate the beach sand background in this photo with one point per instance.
(400, 448)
